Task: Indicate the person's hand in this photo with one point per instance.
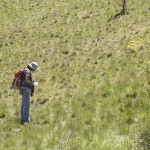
(35, 83)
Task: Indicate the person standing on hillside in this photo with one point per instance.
(27, 90)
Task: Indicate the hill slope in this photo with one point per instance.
(93, 79)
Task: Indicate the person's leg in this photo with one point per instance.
(25, 105)
(22, 106)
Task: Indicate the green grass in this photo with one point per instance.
(93, 91)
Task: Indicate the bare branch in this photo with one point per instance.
(118, 3)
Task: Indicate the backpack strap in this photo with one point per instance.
(24, 76)
(15, 81)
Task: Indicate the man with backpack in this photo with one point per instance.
(27, 90)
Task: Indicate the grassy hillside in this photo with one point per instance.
(94, 83)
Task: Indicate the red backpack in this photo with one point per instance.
(16, 83)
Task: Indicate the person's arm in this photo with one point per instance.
(27, 81)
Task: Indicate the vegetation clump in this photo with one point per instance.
(94, 84)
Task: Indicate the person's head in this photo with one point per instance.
(33, 66)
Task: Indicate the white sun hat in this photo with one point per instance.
(34, 65)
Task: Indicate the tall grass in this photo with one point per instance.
(93, 79)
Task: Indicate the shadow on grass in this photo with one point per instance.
(116, 16)
(144, 140)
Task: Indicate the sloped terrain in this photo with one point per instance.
(93, 79)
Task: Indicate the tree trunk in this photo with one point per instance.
(124, 7)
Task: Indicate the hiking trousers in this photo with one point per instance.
(26, 92)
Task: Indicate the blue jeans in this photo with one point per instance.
(26, 92)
